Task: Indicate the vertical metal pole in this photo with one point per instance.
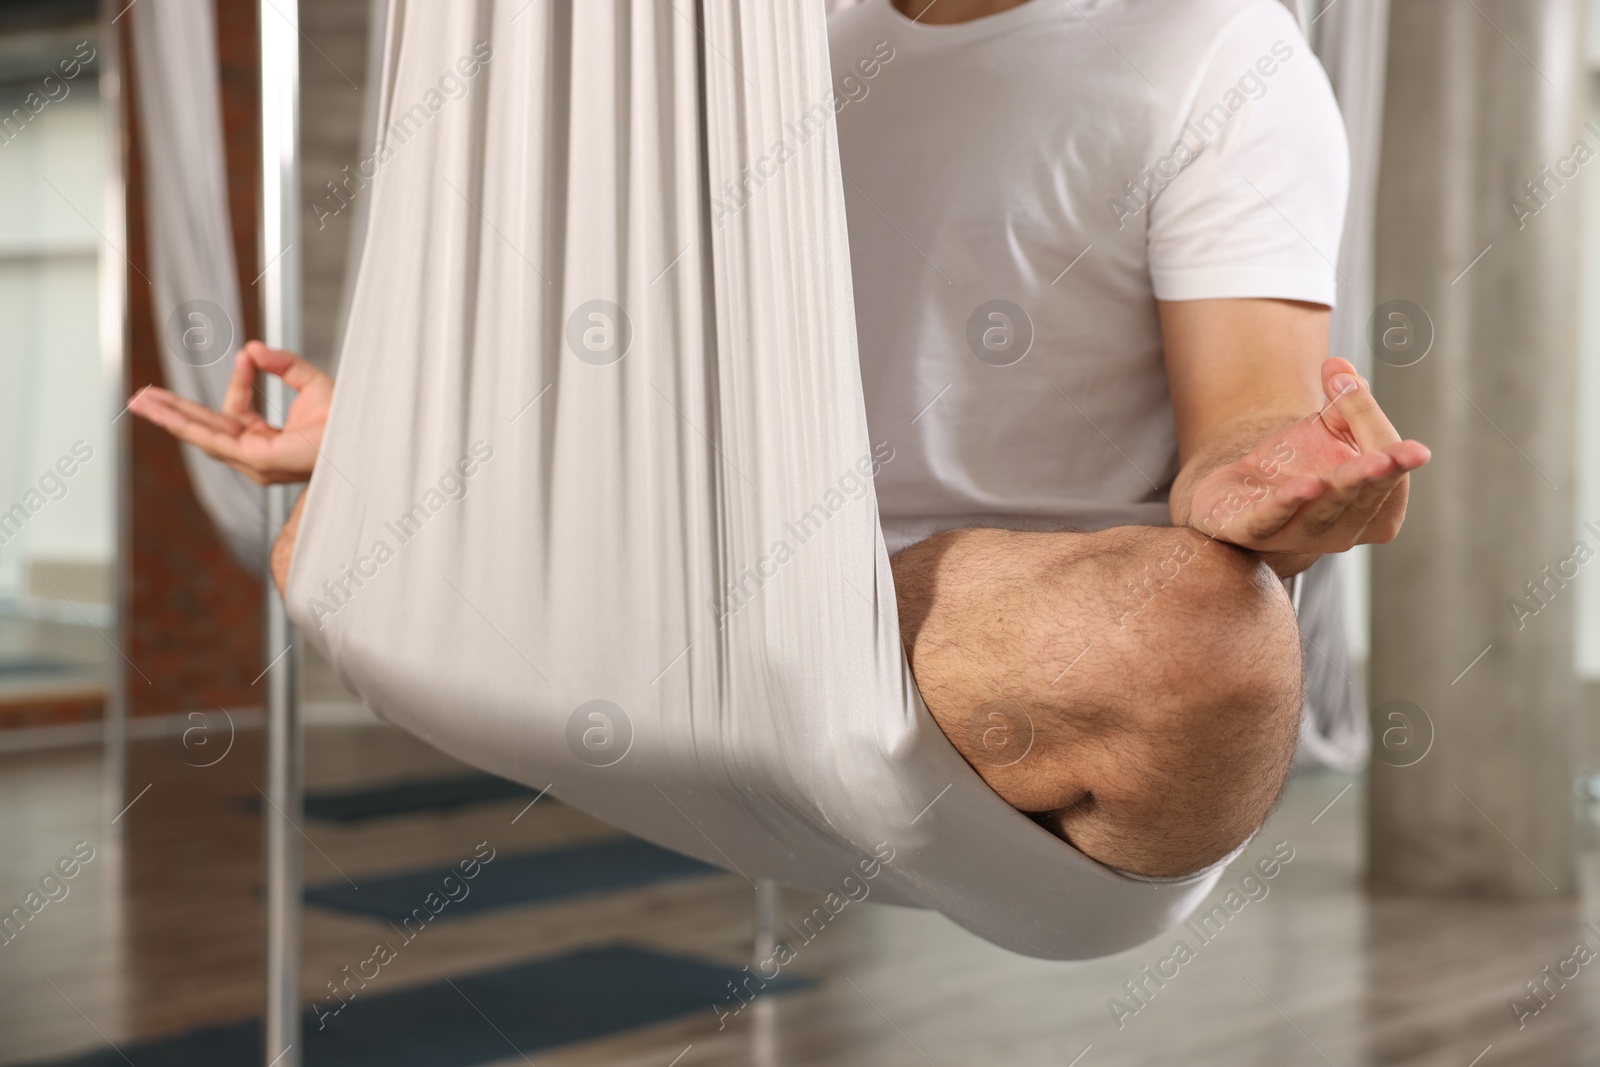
(114, 366)
(280, 238)
(764, 1039)
(766, 918)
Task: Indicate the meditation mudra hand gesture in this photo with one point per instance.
(1328, 482)
(240, 437)
(238, 434)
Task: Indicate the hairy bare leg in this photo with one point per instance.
(1138, 689)
(283, 547)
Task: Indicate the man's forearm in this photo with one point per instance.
(1229, 443)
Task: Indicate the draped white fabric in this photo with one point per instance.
(596, 512)
(1351, 40)
(196, 303)
(371, 102)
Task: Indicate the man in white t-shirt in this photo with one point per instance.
(1094, 245)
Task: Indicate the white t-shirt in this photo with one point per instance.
(1021, 190)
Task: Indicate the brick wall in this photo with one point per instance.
(194, 635)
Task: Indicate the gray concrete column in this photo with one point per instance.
(1474, 698)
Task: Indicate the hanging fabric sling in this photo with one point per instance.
(595, 508)
(195, 297)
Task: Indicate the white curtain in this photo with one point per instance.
(1352, 40)
(369, 141)
(196, 302)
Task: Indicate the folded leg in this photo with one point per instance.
(1137, 689)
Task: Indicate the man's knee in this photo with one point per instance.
(1209, 713)
(1237, 652)
(1219, 632)
(1141, 684)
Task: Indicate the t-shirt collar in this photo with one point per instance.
(976, 29)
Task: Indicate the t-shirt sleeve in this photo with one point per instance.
(1256, 206)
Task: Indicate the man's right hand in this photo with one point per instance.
(237, 434)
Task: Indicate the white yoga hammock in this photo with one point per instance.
(594, 510)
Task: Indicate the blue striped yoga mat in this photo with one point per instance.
(512, 880)
(470, 1020)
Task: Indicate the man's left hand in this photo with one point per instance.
(1325, 483)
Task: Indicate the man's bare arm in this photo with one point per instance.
(1282, 449)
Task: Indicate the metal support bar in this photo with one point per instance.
(766, 919)
(114, 365)
(764, 1039)
(285, 762)
(280, 238)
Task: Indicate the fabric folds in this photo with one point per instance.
(196, 303)
(595, 510)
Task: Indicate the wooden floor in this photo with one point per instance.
(161, 933)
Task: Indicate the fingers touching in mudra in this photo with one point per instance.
(1326, 483)
(238, 434)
